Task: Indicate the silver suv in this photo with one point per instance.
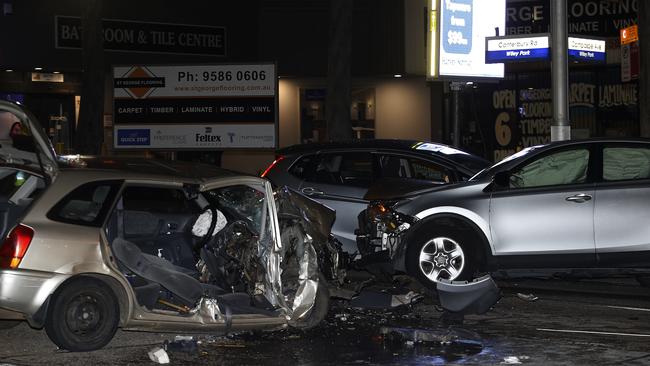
(575, 204)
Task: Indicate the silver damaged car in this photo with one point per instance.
(94, 244)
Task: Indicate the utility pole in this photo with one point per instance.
(90, 130)
(339, 94)
(561, 128)
(644, 65)
(456, 88)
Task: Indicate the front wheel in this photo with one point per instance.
(445, 254)
(83, 316)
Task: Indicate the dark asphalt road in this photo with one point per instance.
(597, 322)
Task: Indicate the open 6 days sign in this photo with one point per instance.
(195, 106)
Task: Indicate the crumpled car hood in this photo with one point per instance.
(317, 218)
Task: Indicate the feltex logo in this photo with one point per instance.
(134, 137)
(207, 138)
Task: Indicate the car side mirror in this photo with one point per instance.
(502, 179)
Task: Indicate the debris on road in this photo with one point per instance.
(182, 345)
(476, 297)
(442, 336)
(342, 293)
(342, 317)
(159, 355)
(527, 297)
(514, 360)
(384, 298)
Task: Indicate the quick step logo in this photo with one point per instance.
(133, 137)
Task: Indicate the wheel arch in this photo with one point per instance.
(38, 319)
(477, 225)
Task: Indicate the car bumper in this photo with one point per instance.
(25, 291)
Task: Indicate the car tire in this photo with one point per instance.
(447, 250)
(82, 316)
(319, 310)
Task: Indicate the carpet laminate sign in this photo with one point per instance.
(195, 106)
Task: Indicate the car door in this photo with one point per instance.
(23, 142)
(27, 163)
(340, 180)
(156, 218)
(622, 209)
(547, 209)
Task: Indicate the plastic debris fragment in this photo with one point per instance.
(527, 297)
(159, 355)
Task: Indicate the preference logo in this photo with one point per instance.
(133, 137)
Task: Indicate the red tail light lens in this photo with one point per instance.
(277, 160)
(15, 246)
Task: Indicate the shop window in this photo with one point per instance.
(313, 124)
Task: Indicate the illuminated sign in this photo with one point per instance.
(432, 39)
(222, 106)
(517, 48)
(457, 32)
(630, 34)
(586, 49)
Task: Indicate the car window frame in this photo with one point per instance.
(590, 180)
(601, 161)
(319, 155)
(453, 171)
(115, 190)
(296, 161)
(153, 185)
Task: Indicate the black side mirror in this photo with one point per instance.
(502, 179)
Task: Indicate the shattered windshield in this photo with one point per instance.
(243, 202)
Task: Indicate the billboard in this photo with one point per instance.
(195, 106)
(457, 32)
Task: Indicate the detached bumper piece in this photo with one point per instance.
(476, 297)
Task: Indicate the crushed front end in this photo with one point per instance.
(382, 229)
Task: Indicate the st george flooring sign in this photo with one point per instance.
(195, 106)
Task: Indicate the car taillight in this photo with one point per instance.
(277, 160)
(15, 246)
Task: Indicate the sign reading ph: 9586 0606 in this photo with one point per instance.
(240, 75)
(195, 106)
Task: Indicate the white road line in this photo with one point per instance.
(627, 308)
(592, 332)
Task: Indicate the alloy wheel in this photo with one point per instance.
(441, 258)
